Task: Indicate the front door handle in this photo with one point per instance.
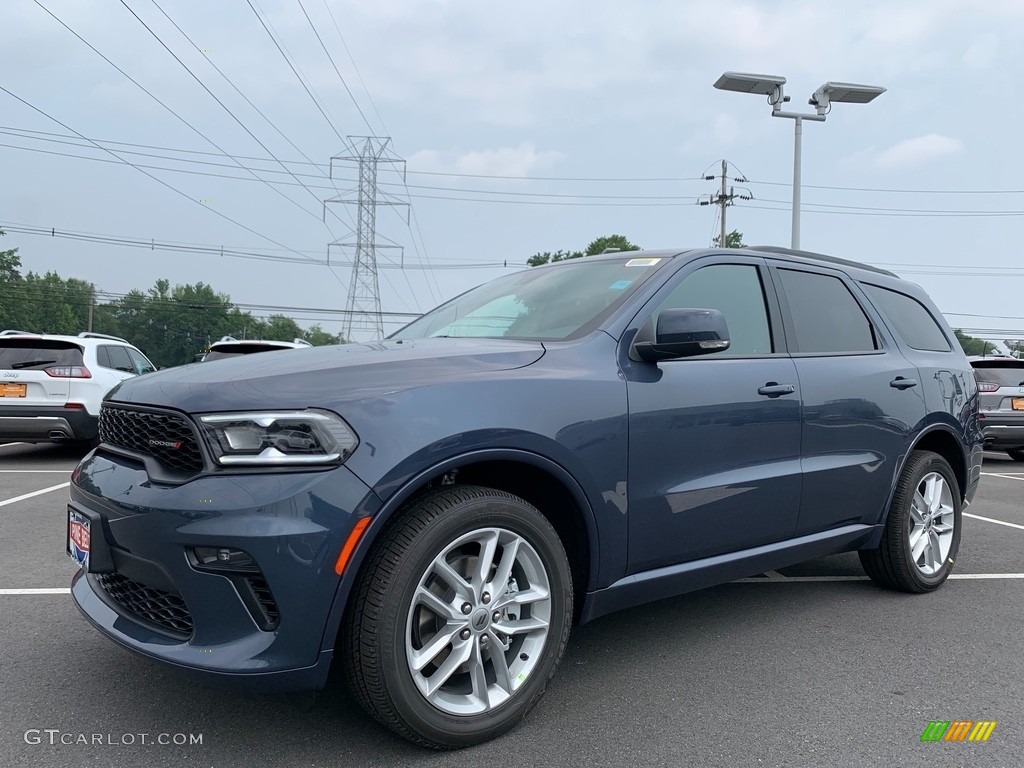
(902, 383)
(774, 389)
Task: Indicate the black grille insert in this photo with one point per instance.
(164, 609)
(263, 606)
(165, 436)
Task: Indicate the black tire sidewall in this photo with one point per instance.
(933, 463)
(499, 511)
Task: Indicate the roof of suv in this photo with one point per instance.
(85, 338)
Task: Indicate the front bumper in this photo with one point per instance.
(146, 590)
(46, 423)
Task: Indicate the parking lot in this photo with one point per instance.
(810, 666)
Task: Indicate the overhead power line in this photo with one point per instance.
(153, 244)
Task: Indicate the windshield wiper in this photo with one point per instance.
(30, 363)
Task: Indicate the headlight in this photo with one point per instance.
(278, 438)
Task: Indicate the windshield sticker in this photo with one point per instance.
(620, 285)
(641, 262)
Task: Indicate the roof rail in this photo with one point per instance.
(91, 335)
(303, 342)
(12, 332)
(821, 257)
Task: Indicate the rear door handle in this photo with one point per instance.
(901, 383)
(773, 389)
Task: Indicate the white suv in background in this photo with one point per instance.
(229, 346)
(51, 386)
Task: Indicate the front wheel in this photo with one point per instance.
(922, 530)
(461, 617)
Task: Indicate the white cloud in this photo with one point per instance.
(982, 54)
(505, 161)
(917, 151)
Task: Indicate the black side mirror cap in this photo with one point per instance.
(685, 333)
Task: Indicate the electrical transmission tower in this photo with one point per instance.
(362, 310)
(725, 198)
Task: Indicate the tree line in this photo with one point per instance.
(170, 323)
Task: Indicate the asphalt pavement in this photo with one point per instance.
(810, 666)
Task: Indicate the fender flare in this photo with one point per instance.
(383, 514)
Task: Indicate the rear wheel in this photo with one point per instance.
(461, 617)
(922, 529)
(1017, 454)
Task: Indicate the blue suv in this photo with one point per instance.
(436, 510)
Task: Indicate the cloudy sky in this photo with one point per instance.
(525, 126)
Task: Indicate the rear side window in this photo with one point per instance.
(826, 317)
(118, 358)
(910, 319)
(37, 354)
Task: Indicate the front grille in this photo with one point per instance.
(164, 609)
(165, 436)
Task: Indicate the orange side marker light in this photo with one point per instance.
(350, 544)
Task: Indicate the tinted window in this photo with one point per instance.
(911, 320)
(119, 359)
(36, 354)
(142, 365)
(220, 351)
(1005, 373)
(826, 316)
(102, 357)
(734, 290)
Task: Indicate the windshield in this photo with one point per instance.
(551, 303)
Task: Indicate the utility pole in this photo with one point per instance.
(726, 197)
(362, 309)
(92, 303)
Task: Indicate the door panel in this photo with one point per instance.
(713, 466)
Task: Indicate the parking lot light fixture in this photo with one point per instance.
(822, 99)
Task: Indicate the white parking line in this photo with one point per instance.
(37, 471)
(5, 502)
(990, 520)
(55, 591)
(1004, 475)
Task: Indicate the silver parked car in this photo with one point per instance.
(1001, 387)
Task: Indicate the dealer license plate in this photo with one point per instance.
(79, 538)
(10, 389)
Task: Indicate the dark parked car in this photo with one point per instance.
(436, 510)
(1001, 385)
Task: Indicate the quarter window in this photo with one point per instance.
(735, 290)
(826, 317)
(910, 319)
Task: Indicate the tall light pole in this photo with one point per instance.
(772, 87)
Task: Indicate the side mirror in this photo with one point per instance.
(685, 333)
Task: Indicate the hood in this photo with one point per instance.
(323, 376)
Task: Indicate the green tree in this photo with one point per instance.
(318, 337)
(973, 346)
(598, 245)
(733, 239)
(11, 281)
(281, 328)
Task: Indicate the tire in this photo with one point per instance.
(1017, 454)
(925, 510)
(422, 664)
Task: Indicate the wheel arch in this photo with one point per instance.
(537, 479)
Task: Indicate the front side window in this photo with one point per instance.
(142, 365)
(547, 303)
(735, 290)
(826, 317)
